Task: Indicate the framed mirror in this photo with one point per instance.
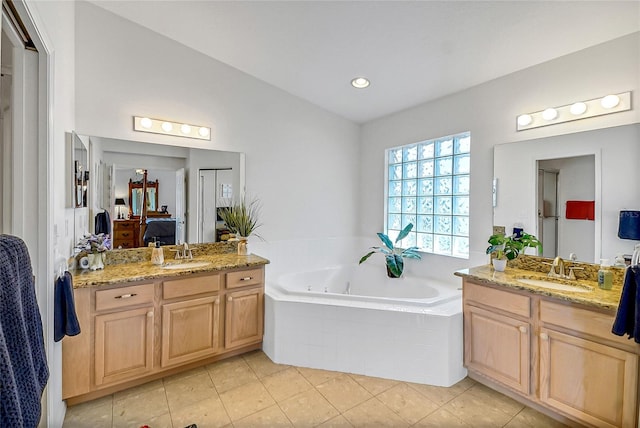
(135, 196)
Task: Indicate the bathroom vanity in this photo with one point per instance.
(142, 322)
(551, 349)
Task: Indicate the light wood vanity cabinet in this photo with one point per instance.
(245, 307)
(190, 328)
(556, 355)
(124, 338)
(135, 332)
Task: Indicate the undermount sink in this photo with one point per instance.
(185, 265)
(555, 285)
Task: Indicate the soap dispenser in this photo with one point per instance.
(605, 276)
(157, 254)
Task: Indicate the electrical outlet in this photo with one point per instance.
(499, 230)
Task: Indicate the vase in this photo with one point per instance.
(390, 274)
(96, 261)
(499, 264)
(242, 246)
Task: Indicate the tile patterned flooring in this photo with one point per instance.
(252, 391)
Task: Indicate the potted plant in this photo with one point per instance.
(505, 248)
(242, 219)
(393, 255)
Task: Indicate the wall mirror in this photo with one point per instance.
(536, 178)
(135, 196)
(77, 171)
(179, 194)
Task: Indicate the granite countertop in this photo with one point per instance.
(145, 270)
(603, 299)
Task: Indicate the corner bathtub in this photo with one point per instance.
(354, 319)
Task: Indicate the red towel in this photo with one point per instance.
(580, 210)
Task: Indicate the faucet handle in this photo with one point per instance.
(571, 269)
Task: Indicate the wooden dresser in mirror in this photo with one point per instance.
(126, 232)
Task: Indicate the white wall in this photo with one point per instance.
(489, 112)
(301, 161)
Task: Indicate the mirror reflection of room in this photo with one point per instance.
(179, 180)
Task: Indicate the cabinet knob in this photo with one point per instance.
(150, 314)
(544, 336)
(522, 329)
(229, 299)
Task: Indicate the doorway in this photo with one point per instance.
(561, 180)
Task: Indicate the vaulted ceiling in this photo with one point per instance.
(412, 51)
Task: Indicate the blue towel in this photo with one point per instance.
(23, 362)
(65, 320)
(628, 316)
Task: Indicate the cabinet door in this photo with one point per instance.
(190, 330)
(244, 317)
(592, 382)
(123, 345)
(498, 347)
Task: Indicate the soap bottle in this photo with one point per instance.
(605, 276)
(157, 254)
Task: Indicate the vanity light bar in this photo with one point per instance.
(158, 126)
(613, 103)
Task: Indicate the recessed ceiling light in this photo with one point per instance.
(360, 82)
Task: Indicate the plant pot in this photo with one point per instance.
(242, 246)
(391, 274)
(499, 264)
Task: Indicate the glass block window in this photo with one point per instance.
(428, 185)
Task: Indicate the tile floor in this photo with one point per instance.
(252, 391)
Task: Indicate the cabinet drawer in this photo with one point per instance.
(124, 296)
(123, 234)
(245, 277)
(190, 286)
(581, 320)
(125, 225)
(506, 301)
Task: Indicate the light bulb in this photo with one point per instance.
(549, 114)
(578, 108)
(186, 129)
(524, 119)
(610, 101)
(167, 127)
(360, 82)
(146, 122)
(203, 131)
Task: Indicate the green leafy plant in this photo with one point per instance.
(508, 247)
(393, 255)
(242, 217)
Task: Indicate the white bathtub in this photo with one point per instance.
(354, 319)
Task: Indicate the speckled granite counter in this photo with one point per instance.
(603, 299)
(144, 270)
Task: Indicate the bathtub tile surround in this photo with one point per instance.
(192, 397)
(407, 329)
